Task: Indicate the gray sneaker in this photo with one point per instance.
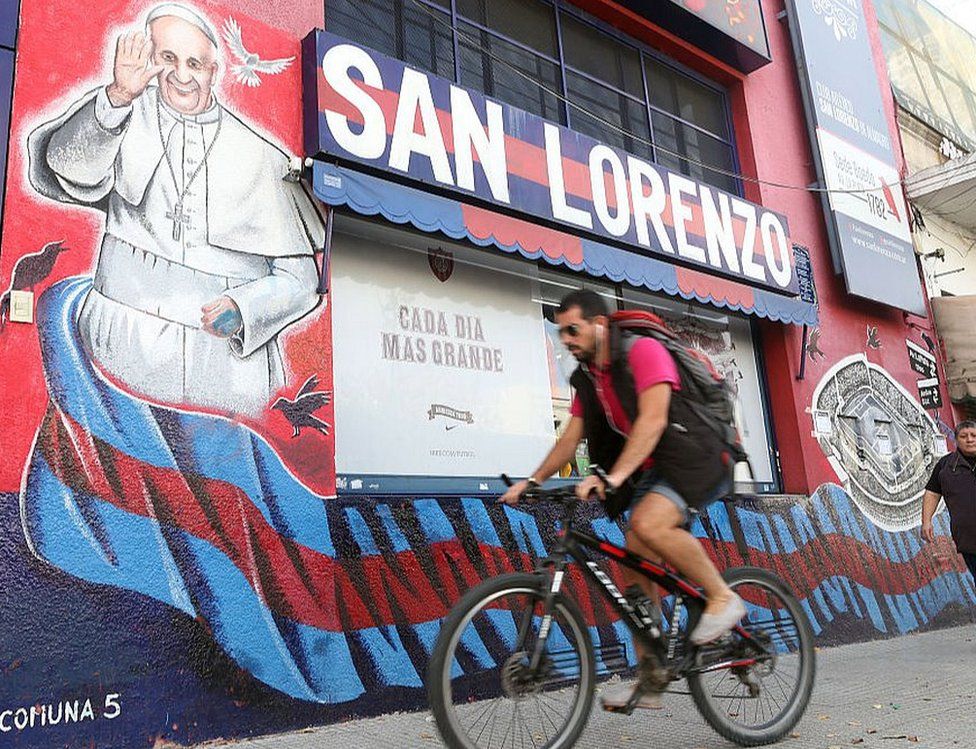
(712, 626)
(616, 697)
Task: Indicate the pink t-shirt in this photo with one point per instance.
(650, 364)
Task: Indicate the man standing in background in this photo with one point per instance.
(954, 479)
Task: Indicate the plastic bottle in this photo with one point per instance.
(583, 457)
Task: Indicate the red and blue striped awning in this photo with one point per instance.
(372, 196)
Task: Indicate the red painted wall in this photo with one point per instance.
(773, 146)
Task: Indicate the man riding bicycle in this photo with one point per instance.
(625, 448)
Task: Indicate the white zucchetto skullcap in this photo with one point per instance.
(181, 11)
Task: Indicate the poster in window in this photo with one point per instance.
(435, 378)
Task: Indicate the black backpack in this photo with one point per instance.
(701, 445)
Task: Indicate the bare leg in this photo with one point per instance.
(617, 697)
(632, 577)
(657, 524)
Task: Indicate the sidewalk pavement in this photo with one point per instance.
(915, 691)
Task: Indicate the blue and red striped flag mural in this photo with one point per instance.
(191, 509)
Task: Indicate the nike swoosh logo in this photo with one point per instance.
(448, 428)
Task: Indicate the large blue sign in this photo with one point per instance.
(364, 107)
(867, 216)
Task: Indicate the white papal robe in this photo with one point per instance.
(247, 234)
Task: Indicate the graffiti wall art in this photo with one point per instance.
(176, 564)
(173, 438)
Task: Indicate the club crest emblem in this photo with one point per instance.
(441, 263)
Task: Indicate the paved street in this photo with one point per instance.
(912, 691)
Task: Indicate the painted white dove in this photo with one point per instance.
(247, 71)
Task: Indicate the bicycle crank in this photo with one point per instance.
(654, 677)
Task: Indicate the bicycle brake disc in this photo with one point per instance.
(516, 678)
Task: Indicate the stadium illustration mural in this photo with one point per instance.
(879, 440)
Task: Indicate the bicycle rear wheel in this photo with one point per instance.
(481, 689)
(759, 702)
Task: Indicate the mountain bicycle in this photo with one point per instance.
(515, 662)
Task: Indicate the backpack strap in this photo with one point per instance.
(621, 342)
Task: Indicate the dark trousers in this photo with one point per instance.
(970, 560)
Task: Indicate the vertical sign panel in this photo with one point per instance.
(6, 85)
(9, 10)
(866, 212)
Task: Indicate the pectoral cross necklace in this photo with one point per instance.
(179, 215)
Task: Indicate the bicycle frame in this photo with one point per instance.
(571, 545)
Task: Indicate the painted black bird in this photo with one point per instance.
(29, 271)
(929, 342)
(873, 340)
(299, 411)
(813, 345)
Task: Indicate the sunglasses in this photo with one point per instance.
(571, 330)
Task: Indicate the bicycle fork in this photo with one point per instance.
(555, 584)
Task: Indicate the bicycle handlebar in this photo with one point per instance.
(561, 494)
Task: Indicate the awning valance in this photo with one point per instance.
(371, 196)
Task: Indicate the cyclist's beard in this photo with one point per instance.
(582, 355)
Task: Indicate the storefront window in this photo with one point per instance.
(685, 98)
(398, 28)
(489, 64)
(448, 364)
(563, 65)
(601, 57)
(626, 114)
(439, 358)
(527, 22)
(729, 342)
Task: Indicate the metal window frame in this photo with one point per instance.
(536, 56)
(561, 8)
(918, 53)
(772, 446)
(646, 51)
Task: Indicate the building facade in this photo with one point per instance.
(928, 59)
(265, 354)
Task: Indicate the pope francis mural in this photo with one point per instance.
(159, 466)
(207, 253)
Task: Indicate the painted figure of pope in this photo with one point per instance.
(207, 251)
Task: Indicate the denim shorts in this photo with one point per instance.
(652, 481)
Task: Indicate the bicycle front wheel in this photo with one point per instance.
(757, 700)
(481, 684)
